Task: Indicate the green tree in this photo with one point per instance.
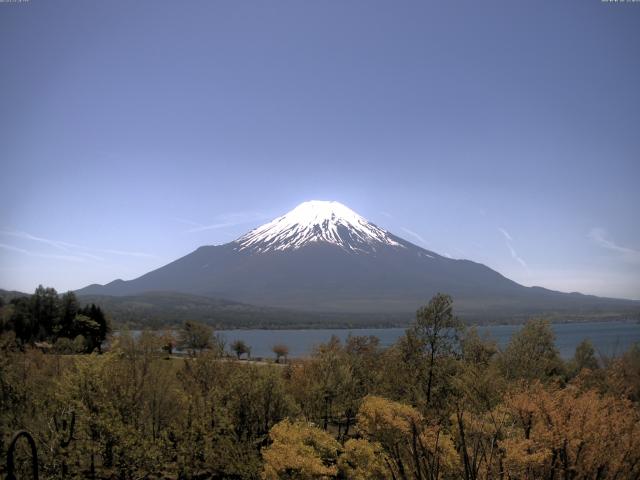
(69, 308)
(531, 354)
(477, 350)
(22, 321)
(87, 328)
(195, 336)
(438, 331)
(98, 336)
(44, 310)
(240, 348)
(585, 357)
(325, 385)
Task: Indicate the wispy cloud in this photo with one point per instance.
(91, 256)
(52, 243)
(413, 234)
(604, 240)
(214, 226)
(386, 214)
(222, 221)
(516, 257)
(125, 253)
(506, 234)
(187, 221)
(11, 248)
(508, 240)
(75, 250)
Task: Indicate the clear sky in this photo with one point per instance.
(506, 132)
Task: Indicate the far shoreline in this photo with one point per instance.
(377, 326)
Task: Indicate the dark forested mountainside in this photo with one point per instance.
(171, 309)
(161, 309)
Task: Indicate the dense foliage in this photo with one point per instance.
(442, 403)
(54, 321)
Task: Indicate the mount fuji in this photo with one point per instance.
(324, 257)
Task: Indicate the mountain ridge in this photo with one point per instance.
(323, 257)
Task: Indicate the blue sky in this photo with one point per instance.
(504, 132)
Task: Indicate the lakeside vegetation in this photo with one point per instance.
(158, 310)
(162, 310)
(441, 403)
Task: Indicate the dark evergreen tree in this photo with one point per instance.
(22, 321)
(69, 308)
(96, 330)
(45, 309)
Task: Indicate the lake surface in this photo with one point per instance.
(608, 338)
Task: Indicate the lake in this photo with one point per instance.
(608, 338)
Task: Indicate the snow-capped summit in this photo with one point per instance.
(317, 221)
(323, 257)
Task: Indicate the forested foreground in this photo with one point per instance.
(441, 403)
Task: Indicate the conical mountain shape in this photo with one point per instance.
(321, 222)
(324, 257)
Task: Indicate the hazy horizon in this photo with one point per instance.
(505, 133)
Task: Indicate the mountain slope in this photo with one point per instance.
(158, 309)
(324, 257)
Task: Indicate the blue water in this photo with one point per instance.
(609, 338)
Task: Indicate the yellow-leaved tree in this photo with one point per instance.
(414, 448)
(300, 451)
(363, 460)
(565, 433)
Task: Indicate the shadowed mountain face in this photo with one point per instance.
(324, 257)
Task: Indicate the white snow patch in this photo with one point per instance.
(317, 221)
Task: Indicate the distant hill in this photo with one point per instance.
(323, 258)
(159, 309)
(8, 295)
